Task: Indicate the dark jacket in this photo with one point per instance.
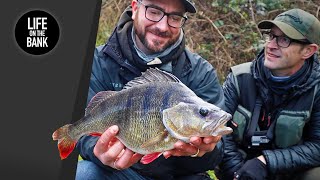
(293, 96)
(116, 63)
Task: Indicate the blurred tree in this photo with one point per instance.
(224, 32)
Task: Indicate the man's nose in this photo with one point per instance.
(163, 24)
(272, 43)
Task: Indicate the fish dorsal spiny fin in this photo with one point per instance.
(152, 75)
(97, 99)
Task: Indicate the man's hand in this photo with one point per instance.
(111, 152)
(253, 169)
(196, 148)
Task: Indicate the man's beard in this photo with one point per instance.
(155, 47)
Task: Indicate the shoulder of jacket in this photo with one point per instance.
(99, 48)
(98, 52)
(241, 68)
(198, 62)
(316, 90)
(193, 57)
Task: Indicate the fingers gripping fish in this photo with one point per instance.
(152, 111)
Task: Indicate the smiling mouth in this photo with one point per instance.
(272, 55)
(159, 33)
(158, 37)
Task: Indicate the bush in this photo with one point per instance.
(224, 32)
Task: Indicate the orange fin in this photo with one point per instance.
(66, 148)
(65, 143)
(146, 159)
(95, 134)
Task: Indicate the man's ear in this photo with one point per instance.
(134, 5)
(309, 50)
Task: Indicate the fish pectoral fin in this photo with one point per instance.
(146, 159)
(95, 134)
(158, 138)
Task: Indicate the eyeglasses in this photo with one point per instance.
(155, 14)
(282, 41)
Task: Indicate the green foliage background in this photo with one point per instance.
(224, 32)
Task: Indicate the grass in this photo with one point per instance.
(212, 175)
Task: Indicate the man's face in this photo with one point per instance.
(154, 37)
(283, 61)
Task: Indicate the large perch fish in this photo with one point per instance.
(153, 112)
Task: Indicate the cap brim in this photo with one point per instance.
(285, 28)
(190, 7)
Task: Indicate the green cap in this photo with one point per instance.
(296, 24)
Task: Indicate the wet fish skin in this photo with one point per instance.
(138, 110)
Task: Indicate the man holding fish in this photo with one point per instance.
(149, 34)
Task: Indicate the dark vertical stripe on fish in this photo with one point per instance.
(129, 105)
(129, 99)
(149, 92)
(166, 98)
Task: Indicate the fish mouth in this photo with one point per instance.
(221, 123)
(224, 119)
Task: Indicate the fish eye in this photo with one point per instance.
(204, 112)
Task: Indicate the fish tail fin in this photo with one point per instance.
(65, 143)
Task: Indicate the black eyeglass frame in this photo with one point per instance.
(271, 36)
(184, 18)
